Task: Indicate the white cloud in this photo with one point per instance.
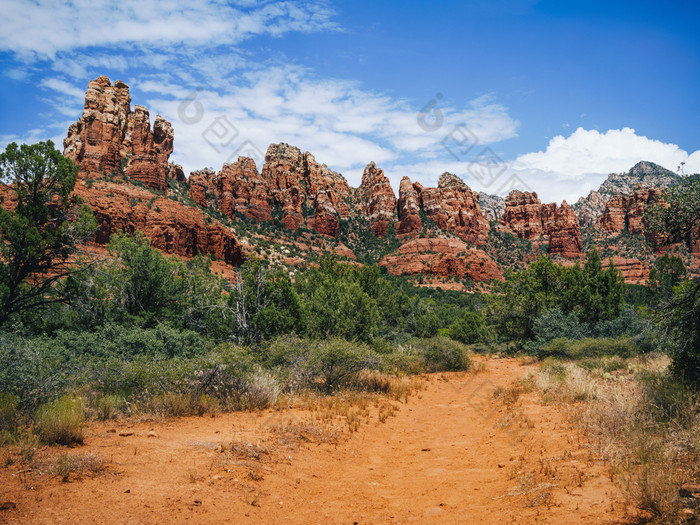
(63, 87)
(45, 27)
(589, 151)
(343, 125)
(571, 166)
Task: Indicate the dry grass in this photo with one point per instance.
(295, 432)
(174, 404)
(642, 421)
(61, 421)
(77, 465)
(565, 383)
(246, 451)
(398, 387)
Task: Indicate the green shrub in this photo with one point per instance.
(555, 324)
(586, 348)
(61, 421)
(406, 359)
(443, 354)
(108, 406)
(305, 363)
(468, 329)
(35, 370)
(336, 361)
(8, 412)
(139, 374)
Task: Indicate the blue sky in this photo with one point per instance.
(541, 95)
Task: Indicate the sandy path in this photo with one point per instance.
(450, 455)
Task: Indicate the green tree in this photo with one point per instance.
(264, 304)
(524, 296)
(335, 302)
(601, 292)
(668, 272)
(468, 329)
(679, 316)
(141, 286)
(41, 225)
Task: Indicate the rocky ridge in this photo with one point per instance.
(435, 231)
(589, 209)
(527, 218)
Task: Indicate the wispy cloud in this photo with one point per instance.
(344, 125)
(43, 28)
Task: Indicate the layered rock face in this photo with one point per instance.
(633, 270)
(564, 233)
(409, 209)
(454, 207)
(304, 191)
(523, 215)
(375, 200)
(109, 137)
(526, 217)
(626, 212)
(201, 182)
(442, 258)
(241, 189)
(170, 226)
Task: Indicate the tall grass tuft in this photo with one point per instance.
(61, 421)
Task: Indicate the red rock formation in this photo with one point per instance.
(564, 233)
(442, 258)
(169, 225)
(200, 184)
(455, 207)
(325, 219)
(693, 242)
(297, 183)
(633, 270)
(241, 189)
(176, 172)
(523, 216)
(334, 187)
(526, 217)
(375, 200)
(108, 137)
(626, 212)
(409, 210)
(284, 173)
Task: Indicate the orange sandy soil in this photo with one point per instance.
(451, 454)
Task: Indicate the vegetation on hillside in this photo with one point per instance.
(139, 331)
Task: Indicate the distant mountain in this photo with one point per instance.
(492, 206)
(648, 174)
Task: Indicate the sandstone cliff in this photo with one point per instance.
(453, 206)
(626, 212)
(409, 208)
(527, 218)
(109, 137)
(375, 201)
(442, 258)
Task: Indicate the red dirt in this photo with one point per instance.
(452, 454)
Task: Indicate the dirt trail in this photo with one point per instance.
(450, 455)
